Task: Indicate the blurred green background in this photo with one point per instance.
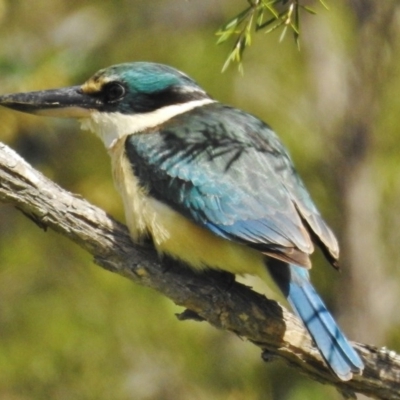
(69, 330)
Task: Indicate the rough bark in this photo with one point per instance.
(211, 297)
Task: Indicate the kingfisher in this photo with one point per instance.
(212, 186)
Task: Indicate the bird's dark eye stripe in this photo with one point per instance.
(113, 91)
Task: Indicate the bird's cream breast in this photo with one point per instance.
(173, 233)
(140, 217)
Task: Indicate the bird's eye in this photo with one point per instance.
(113, 91)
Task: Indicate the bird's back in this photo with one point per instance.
(228, 172)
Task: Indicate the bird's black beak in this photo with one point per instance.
(69, 102)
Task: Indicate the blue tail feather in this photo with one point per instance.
(330, 340)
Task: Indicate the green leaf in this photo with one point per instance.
(279, 24)
(260, 18)
(224, 36)
(235, 21)
(308, 9)
(283, 34)
(324, 4)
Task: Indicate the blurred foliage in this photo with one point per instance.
(69, 330)
(261, 15)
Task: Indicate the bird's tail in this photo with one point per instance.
(334, 347)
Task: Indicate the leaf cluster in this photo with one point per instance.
(266, 15)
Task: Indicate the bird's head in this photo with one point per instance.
(117, 101)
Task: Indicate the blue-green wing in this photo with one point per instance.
(227, 171)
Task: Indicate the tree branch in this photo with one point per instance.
(224, 304)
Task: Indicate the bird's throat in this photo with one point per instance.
(112, 126)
